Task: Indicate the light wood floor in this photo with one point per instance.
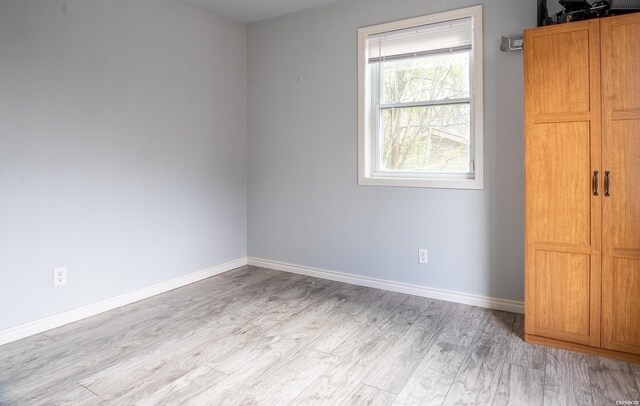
(256, 336)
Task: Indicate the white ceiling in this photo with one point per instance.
(248, 11)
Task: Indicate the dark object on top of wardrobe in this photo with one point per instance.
(578, 10)
(543, 14)
(624, 6)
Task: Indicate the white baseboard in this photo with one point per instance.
(57, 320)
(417, 290)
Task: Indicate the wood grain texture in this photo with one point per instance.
(621, 157)
(136, 315)
(350, 317)
(284, 383)
(622, 304)
(334, 386)
(60, 363)
(365, 395)
(401, 318)
(520, 386)
(396, 366)
(522, 353)
(234, 389)
(636, 372)
(433, 377)
(479, 374)
(566, 379)
(20, 347)
(71, 359)
(464, 325)
(611, 381)
(160, 389)
(558, 183)
(553, 73)
(165, 361)
(67, 393)
(57, 354)
(562, 151)
(263, 339)
(183, 389)
(561, 304)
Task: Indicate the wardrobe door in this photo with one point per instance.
(562, 151)
(621, 206)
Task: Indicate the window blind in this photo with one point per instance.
(447, 36)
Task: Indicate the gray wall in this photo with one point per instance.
(305, 206)
(122, 148)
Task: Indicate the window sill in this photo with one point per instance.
(469, 184)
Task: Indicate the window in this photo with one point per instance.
(420, 101)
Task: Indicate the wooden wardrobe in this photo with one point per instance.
(582, 186)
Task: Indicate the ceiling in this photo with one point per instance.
(248, 11)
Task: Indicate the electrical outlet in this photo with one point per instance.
(423, 256)
(59, 276)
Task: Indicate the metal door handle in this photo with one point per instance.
(606, 183)
(594, 183)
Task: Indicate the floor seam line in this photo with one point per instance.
(87, 389)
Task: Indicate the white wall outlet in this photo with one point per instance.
(59, 276)
(423, 256)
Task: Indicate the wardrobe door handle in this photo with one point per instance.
(594, 183)
(606, 183)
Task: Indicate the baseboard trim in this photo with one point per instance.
(603, 352)
(57, 320)
(417, 290)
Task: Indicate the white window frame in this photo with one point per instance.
(366, 172)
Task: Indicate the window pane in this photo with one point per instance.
(433, 77)
(425, 139)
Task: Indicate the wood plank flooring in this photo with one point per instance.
(255, 336)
